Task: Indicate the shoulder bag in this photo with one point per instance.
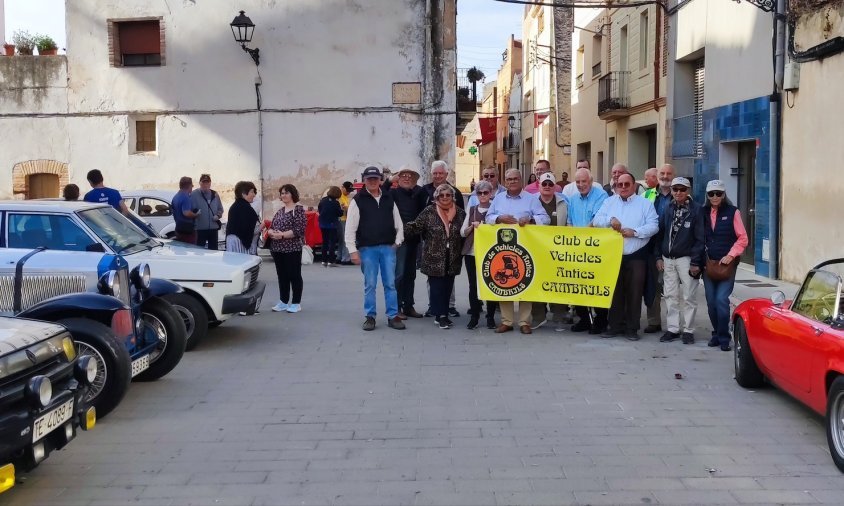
(720, 272)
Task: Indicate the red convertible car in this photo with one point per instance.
(799, 346)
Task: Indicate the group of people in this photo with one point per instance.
(668, 240)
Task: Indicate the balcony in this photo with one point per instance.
(596, 70)
(613, 96)
(512, 142)
(687, 135)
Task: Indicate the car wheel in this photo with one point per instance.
(163, 323)
(193, 315)
(748, 374)
(835, 422)
(114, 366)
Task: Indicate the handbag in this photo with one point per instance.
(717, 271)
(307, 255)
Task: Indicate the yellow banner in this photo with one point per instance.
(542, 263)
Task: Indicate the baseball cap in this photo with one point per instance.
(371, 172)
(716, 184)
(348, 185)
(547, 177)
(681, 181)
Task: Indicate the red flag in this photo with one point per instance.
(488, 129)
(538, 118)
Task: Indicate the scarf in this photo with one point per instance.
(447, 216)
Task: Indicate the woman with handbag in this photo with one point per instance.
(242, 228)
(725, 238)
(474, 218)
(287, 236)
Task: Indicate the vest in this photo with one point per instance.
(376, 227)
(720, 240)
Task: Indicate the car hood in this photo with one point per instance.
(17, 333)
(171, 261)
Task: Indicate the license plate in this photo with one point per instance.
(47, 423)
(140, 365)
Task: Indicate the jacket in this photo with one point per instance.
(329, 212)
(441, 255)
(689, 240)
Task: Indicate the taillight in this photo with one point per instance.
(121, 323)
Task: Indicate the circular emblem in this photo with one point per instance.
(507, 268)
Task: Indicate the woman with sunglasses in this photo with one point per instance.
(725, 238)
(474, 218)
(439, 227)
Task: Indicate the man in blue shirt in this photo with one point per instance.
(490, 175)
(516, 207)
(102, 193)
(184, 213)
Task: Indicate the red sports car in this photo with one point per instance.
(799, 346)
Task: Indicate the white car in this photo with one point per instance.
(153, 206)
(217, 284)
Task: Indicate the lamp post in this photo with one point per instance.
(243, 28)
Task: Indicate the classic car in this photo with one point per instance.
(153, 206)
(217, 285)
(116, 316)
(43, 382)
(798, 345)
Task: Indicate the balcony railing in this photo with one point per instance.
(578, 81)
(687, 135)
(596, 70)
(613, 96)
(511, 143)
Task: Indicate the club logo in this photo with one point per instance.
(507, 268)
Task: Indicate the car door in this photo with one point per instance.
(58, 232)
(155, 211)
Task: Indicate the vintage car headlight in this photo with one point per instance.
(109, 284)
(69, 348)
(39, 391)
(140, 276)
(85, 370)
(247, 280)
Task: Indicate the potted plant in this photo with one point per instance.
(24, 41)
(46, 45)
(9, 49)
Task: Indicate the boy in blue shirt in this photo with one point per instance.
(102, 193)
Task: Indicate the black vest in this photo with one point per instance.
(720, 240)
(376, 226)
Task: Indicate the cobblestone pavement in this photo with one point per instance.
(308, 409)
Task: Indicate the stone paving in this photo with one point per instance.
(299, 409)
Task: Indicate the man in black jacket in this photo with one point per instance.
(679, 251)
(411, 199)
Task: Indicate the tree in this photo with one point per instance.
(474, 75)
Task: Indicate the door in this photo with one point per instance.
(746, 196)
(42, 186)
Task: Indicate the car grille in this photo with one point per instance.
(252, 272)
(37, 288)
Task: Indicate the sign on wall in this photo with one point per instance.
(407, 93)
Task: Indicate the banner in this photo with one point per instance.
(543, 263)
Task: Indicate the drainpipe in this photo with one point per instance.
(657, 44)
(775, 145)
(260, 139)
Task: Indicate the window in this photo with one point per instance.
(540, 22)
(819, 297)
(144, 136)
(622, 49)
(53, 232)
(597, 55)
(643, 40)
(578, 80)
(154, 207)
(136, 42)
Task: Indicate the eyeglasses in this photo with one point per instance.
(485, 192)
(625, 184)
(512, 179)
(679, 189)
(489, 176)
(715, 193)
(407, 174)
(547, 183)
(444, 195)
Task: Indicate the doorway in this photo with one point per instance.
(746, 195)
(41, 186)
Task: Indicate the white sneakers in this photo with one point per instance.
(290, 308)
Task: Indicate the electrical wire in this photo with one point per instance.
(589, 5)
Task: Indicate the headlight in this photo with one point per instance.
(69, 348)
(39, 391)
(109, 284)
(86, 370)
(140, 276)
(247, 280)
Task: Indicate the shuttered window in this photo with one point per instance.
(700, 72)
(136, 42)
(144, 136)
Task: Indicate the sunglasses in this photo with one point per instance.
(547, 183)
(444, 195)
(679, 189)
(625, 184)
(485, 192)
(489, 176)
(715, 193)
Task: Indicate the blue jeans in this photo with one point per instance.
(373, 259)
(718, 305)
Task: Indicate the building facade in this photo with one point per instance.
(511, 67)
(152, 90)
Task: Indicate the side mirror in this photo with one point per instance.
(96, 247)
(777, 298)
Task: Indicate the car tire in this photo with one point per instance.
(113, 361)
(835, 422)
(193, 315)
(162, 319)
(748, 374)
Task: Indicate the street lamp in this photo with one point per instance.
(243, 28)
(511, 121)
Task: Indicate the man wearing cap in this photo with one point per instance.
(184, 213)
(557, 208)
(654, 289)
(541, 167)
(635, 219)
(679, 251)
(410, 199)
(374, 230)
(347, 191)
(207, 223)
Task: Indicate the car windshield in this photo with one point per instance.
(114, 229)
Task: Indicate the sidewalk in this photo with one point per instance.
(750, 285)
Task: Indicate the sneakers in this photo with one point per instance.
(714, 342)
(473, 322)
(726, 347)
(668, 337)
(396, 323)
(688, 338)
(452, 312)
(428, 314)
(444, 323)
(325, 264)
(369, 323)
(490, 323)
(632, 335)
(281, 306)
(562, 327)
(294, 308)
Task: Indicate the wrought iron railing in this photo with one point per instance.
(613, 91)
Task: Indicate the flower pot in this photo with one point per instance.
(48, 52)
(9, 49)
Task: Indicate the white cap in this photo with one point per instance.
(716, 184)
(547, 177)
(681, 181)
(408, 168)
